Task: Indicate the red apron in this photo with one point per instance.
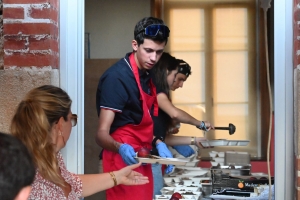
(137, 136)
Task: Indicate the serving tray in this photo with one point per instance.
(165, 161)
(223, 142)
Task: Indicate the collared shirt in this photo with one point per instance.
(43, 189)
(118, 91)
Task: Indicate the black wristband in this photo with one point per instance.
(155, 139)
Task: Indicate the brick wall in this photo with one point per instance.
(30, 33)
(30, 52)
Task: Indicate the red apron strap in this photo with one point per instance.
(152, 87)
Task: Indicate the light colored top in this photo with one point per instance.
(46, 190)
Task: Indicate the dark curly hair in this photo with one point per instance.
(139, 34)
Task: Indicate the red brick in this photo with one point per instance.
(13, 13)
(54, 15)
(43, 44)
(296, 30)
(14, 45)
(37, 13)
(53, 3)
(297, 15)
(297, 61)
(28, 60)
(45, 13)
(30, 28)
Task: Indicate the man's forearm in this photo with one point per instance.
(108, 143)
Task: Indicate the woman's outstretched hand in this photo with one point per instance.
(127, 176)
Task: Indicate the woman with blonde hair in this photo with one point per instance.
(43, 122)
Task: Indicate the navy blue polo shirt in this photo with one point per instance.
(118, 91)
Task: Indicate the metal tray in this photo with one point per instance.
(238, 142)
(231, 170)
(214, 143)
(223, 142)
(166, 161)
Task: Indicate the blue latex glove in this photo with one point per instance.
(127, 153)
(164, 152)
(184, 150)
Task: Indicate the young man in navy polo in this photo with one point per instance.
(125, 97)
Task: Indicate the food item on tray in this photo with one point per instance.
(144, 152)
(188, 193)
(231, 167)
(176, 195)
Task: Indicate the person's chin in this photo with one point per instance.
(148, 66)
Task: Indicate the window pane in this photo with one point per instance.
(193, 90)
(230, 28)
(217, 38)
(186, 35)
(197, 111)
(231, 77)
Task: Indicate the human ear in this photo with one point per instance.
(56, 129)
(134, 45)
(60, 124)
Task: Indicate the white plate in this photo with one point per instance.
(163, 196)
(221, 154)
(213, 154)
(219, 159)
(195, 173)
(165, 161)
(187, 189)
(218, 196)
(166, 190)
(188, 183)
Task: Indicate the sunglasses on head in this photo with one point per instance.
(152, 30)
(184, 68)
(74, 119)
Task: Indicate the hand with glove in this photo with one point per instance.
(127, 153)
(164, 152)
(184, 150)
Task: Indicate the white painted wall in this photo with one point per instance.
(111, 25)
(72, 77)
(283, 100)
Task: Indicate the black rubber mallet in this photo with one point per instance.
(231, 128)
